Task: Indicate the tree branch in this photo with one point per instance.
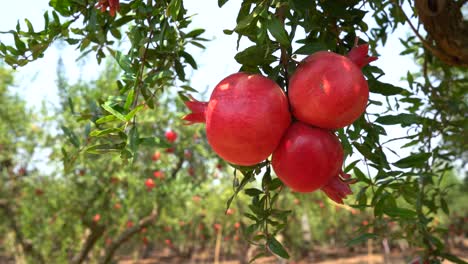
(96, 232)
(127, 234)
(26, 245)
(444, 23)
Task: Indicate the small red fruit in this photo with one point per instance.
(168, 242)
(245, 118)
(129, 224)
(328, 90)
(156, 156)
(117, 206)
(39, 192)
(230, 211)
(150, 184)
(96, 218)
(297, 201)
(145, 240)
(158, 174)
(170, 150)
(22, 171)
(237, 225)
(108, 241)
(308, 159)
(191, 171)
(171, 136)
(196, 198)
(113, 5)
(217, 227)
(187, 154)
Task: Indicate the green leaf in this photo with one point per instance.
(104, 148)
(403, 119)
(414, 160)
(361, 176)
(275, 184)
(399, 212)
(222, 2)
(174, 8)
(362, 238)
(105, 119)
(444, 206)
(350, 166)
(310, 48)
(99, 133)
(122, 60)
(195, 33)
(276, 28)
(253, 56)
(132, 113)
(153, 142)
(384, 88)
(71, 136)
(244, 181)
(252, 192)
(114, 112)
(189, 59)
(276, 247)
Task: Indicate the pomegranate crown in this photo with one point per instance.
(359, 55)
(338, 187)
(198, 111)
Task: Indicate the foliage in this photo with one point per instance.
(129, 117)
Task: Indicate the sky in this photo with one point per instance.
(36, 81)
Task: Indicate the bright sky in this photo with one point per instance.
(36, 81)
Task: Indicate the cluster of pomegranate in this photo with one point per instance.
(248, 118)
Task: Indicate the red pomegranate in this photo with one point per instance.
(149, 183)
(171, 136)
(328, 90)
(308, 159)
(245, 118)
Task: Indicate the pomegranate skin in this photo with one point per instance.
(307, 158)
(245, 118)
(328, 90)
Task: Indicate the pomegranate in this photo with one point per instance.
(171, 136)
(149, 184)
(96, 218)
(113, 5)
(308, 159)
(156, 156)
(245, 118)
(158, 174)
(328, 90)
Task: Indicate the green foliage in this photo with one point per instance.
(125, 115)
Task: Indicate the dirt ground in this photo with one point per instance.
(205, 258)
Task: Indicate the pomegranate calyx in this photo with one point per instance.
(338, 187)
(359, 55)
(198, 111)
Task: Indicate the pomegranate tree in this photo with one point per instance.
(308, 159)
(328, 90)
(245, 118)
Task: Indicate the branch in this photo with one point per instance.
(127, 234)
(26, 245)
(444, 23)
(177, 168)
(96, 232)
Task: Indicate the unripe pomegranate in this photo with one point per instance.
(328, 90)
(156, 156)
(308, 159)
(171, 136)
(245, 118)
(237, 225)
